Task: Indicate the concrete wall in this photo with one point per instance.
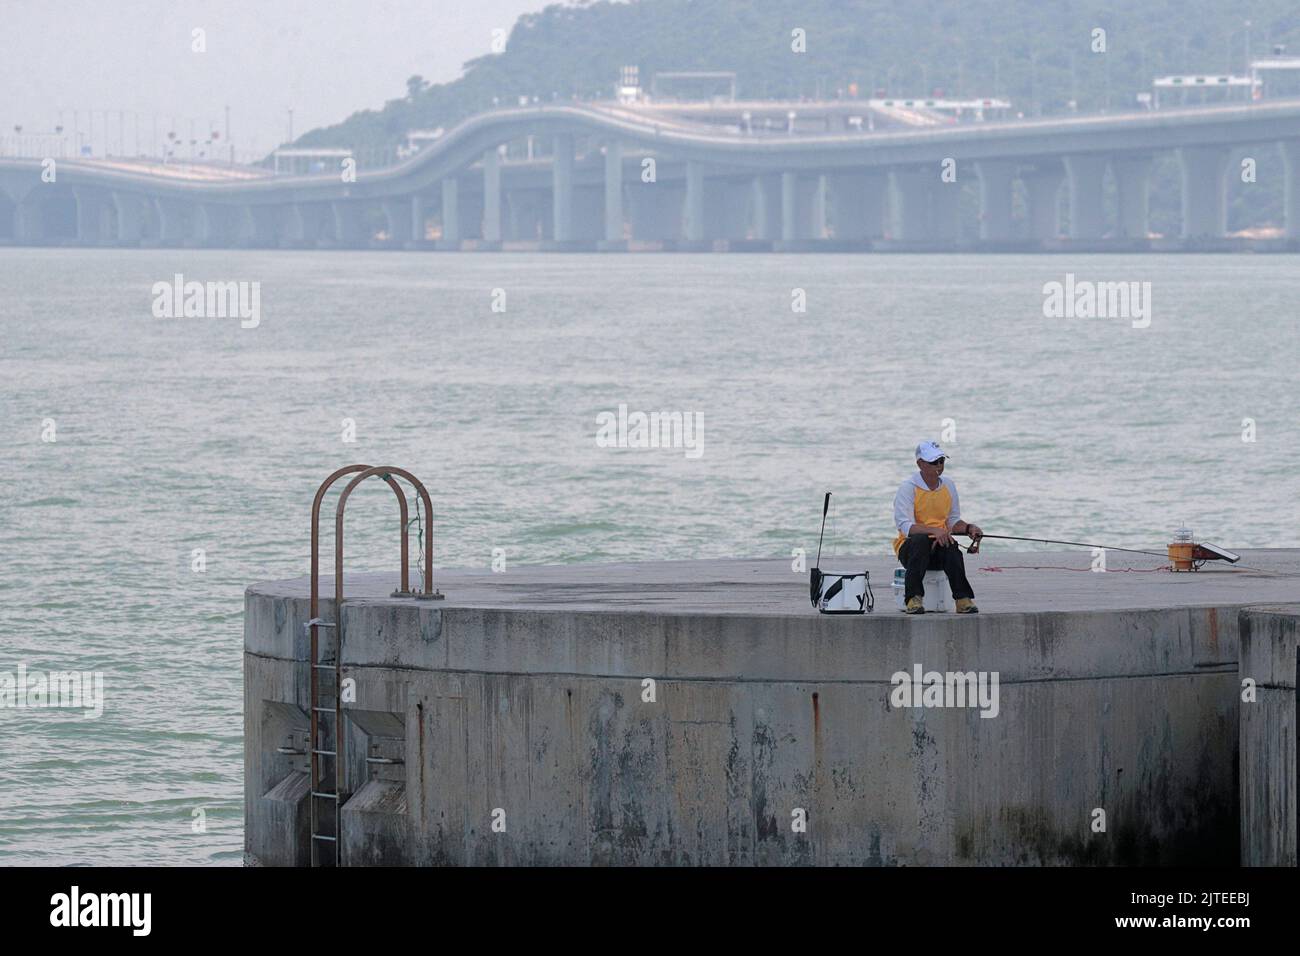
(1268, 736)
(540, 714)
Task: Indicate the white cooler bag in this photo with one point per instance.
(834, 592)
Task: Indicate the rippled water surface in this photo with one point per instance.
(178, 434)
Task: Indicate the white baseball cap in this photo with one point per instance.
(930, 451)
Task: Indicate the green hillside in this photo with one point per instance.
(1037, 53)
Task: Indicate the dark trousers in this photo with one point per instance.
(918, 556)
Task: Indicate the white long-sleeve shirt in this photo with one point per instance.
(918, 504)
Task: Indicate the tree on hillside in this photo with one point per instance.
(415, 86)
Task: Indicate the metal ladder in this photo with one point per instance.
(328, 791)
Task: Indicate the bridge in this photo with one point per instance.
(612, 177)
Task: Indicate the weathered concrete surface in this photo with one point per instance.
(523, 693)
(1268, 736)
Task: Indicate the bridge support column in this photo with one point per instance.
(451, 210)
(789, 206)
(1205, 208)
(171, 220)
(725, 210)
(130, 217)
(206, 228)
(492, 195)
(857, 203)
(8, 216)
(945, 210)
(514, 216)
(87, 219)
(562, 188)
(728, 214)
(471, 215)
(926, 209)
(29, 219)
(259, 225)
(397, 220)
(817, 203)
(292, 230)
(347, 223)
(1133, 186)
(417, 218)
(92, 217)
(694, 202)
(1043, 186)
(1291, 191)
(588, 213)
(803, 207)
(302, 224)
(527, 215)
(613, 191)
(766, 203)
(216, 224)
(1087, 176)
(656, 210)
(911, 203)
(997, 178)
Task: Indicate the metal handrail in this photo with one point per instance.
(386, 471)
(314, 618)
(315, 531)
(362, 472)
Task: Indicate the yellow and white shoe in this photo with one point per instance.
(914, 606)
(966, 606)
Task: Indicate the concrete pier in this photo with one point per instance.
(1087, 175)
(492, 195)
(613, 191)
(130, 217)
(694, 221)
(451, 231)
(997, 185)
(767, 206)
(858, 204)
(789, 206)
(1043, 187)
(562, 189)
(1205, 201)
(1291, 191)
(925, 208)
(703, 713)
(1133, 185)
(349, 223)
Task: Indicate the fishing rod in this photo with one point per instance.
(1183, 555)
(1077, 544)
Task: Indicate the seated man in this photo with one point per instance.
(927, 516)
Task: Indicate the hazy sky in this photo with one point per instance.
(323, 58)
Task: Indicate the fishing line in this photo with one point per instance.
(1061, 567)
(1076, 544)
(419, 542)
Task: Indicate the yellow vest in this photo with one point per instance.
(931, 509)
